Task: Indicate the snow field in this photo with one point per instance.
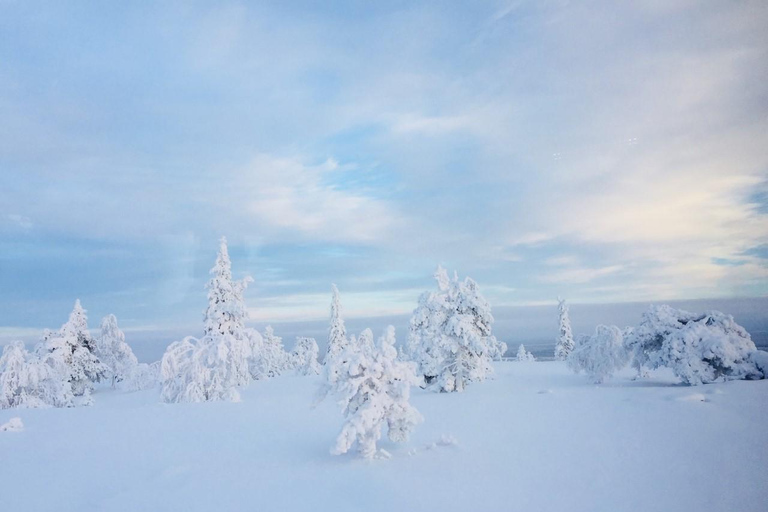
(534, 437)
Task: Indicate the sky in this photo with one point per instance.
(607, 152)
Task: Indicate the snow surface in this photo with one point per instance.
(535, 437)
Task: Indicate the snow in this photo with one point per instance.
(12, 425)
(650, 444)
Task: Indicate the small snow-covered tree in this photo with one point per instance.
(337, 332)
(565, 341)
(374, 390)
(114, 352)
(523, 355)
(143, 376)
(450, 335)
(70, 352)
(27, 381)
(699, 348)
(305, 355)
(599, 355)
(274, 359)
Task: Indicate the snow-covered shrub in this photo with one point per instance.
(114, 352)
(523, 355)
(26, 380)
(70, 353)
(374, 390)
(274, 359)
(450, 335)
(565, 343)
(12, 425)
(599, 355)
(212, 367)
(143, 376)
(304, 356)
(699, 348)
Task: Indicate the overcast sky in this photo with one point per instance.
(602, 151)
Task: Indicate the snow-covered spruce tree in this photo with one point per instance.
(114, 352)
(71, 353)
(337, 332)
(27, 381)
(226, 315)
(450, 335)
(523, 355)
(565, 341)
(304, 356)
(374, 390)
(212, 367)
(599, 355)
(699, 348)
(274, 359)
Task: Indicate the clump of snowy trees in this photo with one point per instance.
(523, 355)
(565, 343)
(304, 356)
(450, 337)
(229, 355)
(64, 366)
(698, 348)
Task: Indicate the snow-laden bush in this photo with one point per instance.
(523, 355)
(273, 359)
(304, 356)
(212, 367)
(26, 380)
(70, 353)
(599, 355)
(374, 390)
(450, 335)
(114, 352)
(142, 376)
(565, 343)
(699, 348)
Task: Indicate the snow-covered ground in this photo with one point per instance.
(535, 438)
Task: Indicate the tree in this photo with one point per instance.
(114, 352)
(337, 332)
(305, 355)
(523, 355)
(374, 389)
(212, 367)
(274, 359)
(450, 335)
(27, 381)
(565, 342)
(699, 348)
(71, 353)
(599, 355)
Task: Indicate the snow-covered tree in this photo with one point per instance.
(114, 352)
(523, 355)
(143, 376)
(71, 353)
(450, 335)
(337, 332)
(304, 356)
(699, 348)
(212, 367)
(599, 355)
(274, 359)
(565, 341)
(27, 381)
(374, 390)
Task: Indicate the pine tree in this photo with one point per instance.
(274, 359)
(374, 388)
(305, 356)
(337, 332)
(523, 355)
(114, 352)
(27, 381)
(450, 335)
(565, 343)
(599, 355)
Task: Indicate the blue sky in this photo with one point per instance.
(603, 151)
